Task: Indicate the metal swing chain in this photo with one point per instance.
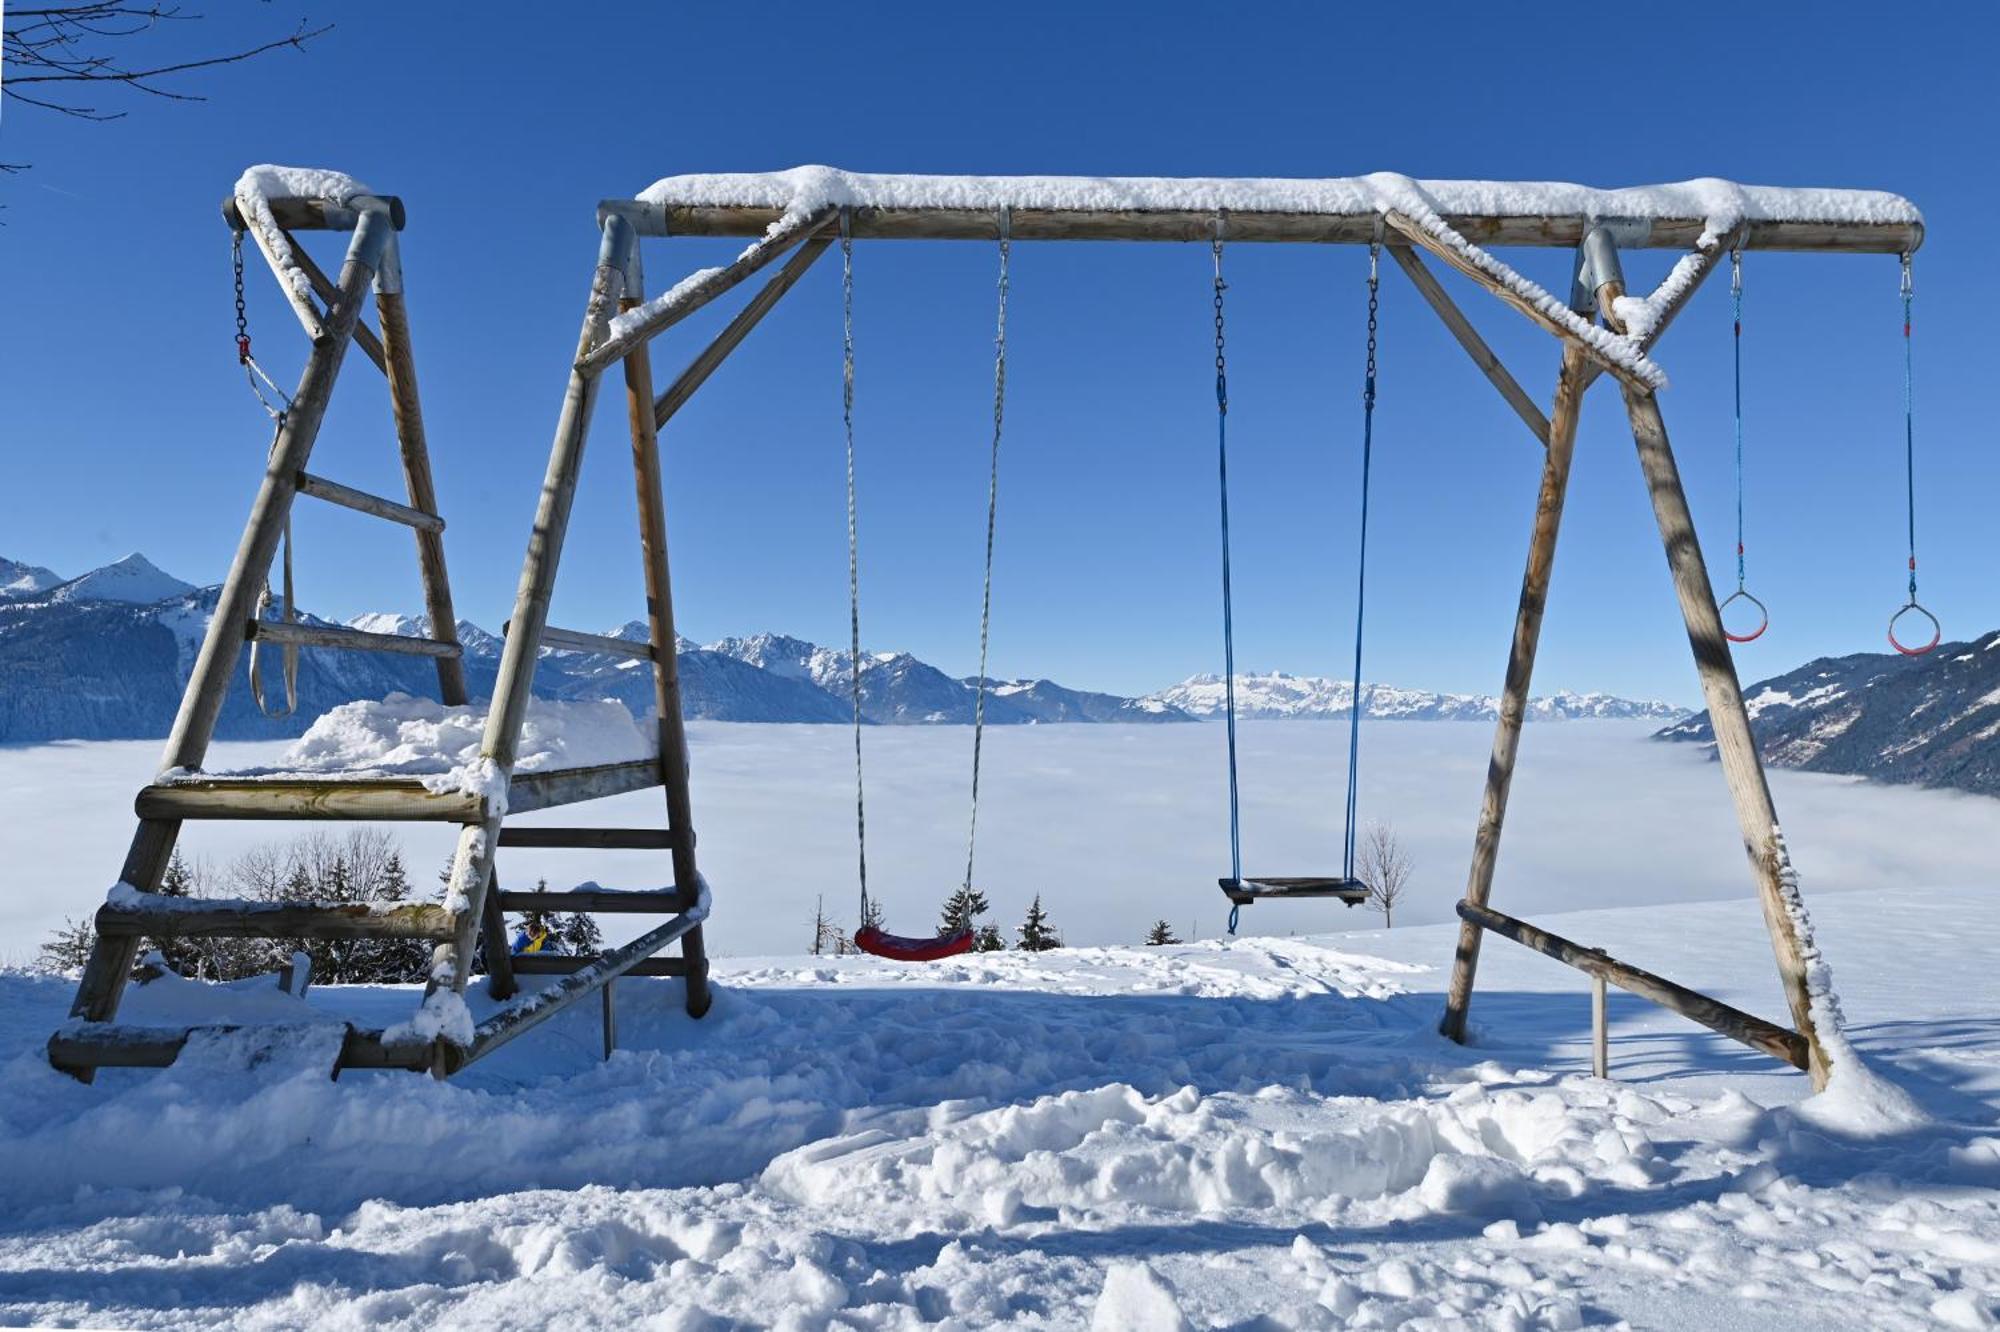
(1228, 609)
(1361, 575)
(853, 543)
(1910, 483)
(252, 373)
(992, 514)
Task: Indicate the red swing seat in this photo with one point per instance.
(903, 948)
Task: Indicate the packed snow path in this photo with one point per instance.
(1205, 1135)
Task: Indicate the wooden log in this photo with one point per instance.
(530, 1010)
(1520, 676)
(413, 449)
(651, 487)
(1600, 1024)
(980, 224)
(1734, 1023)
(626, 839)
(736, 330)
(1469, 266)
(364, 337)
(472, 863)
(184, 917)
(388, 799)
(500, 982)
(318, 214)
(347, 497)
(610, 1018)
(575, 640)
(1710, 259)
(103, 982)
(84, 1047)
(349, 640)
(562, 964)
(530, 791)
(695, 294)
(1729, 719)
(1468, 337)
(612, 901)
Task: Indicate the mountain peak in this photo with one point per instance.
(21, 580)
(134, 579)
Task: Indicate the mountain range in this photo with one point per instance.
(105, 655)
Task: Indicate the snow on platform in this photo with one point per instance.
(1259, 1133)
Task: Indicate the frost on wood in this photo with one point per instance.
(258, 186)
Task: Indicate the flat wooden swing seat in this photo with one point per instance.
(1243, 892)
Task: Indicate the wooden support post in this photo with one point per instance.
(1520, 674)
(364, 338)
(103, 981)
(1468, 337)
(1756, 815)
(1600, 1038)
(401, 368)
(666, 663)
(610, 1018)
(472, 864)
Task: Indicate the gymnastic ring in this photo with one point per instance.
(1763, 621)
(1937, 631)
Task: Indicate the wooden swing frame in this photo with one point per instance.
(618, 327)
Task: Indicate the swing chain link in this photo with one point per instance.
(1221, 366)
(242, 317)
(1374, 308)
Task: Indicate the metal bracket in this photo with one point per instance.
(1597, 259)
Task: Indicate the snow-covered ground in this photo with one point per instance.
(1115, 825)
(1265, 1133)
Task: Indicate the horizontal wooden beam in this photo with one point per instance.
(314, 214)
(188, 917)
(602, 839)
(1565, 232)
(348, 640)
(1774, 1040)
(386, 799)
(347, 497)
(612, 901)
(575, 640)
(1468, 337)
(90, 1045)
(567, 786)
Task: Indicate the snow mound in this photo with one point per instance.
(406, 736)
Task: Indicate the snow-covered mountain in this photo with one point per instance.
(1278, 695)
(1929, 721)
(133, 580)
(22, 580)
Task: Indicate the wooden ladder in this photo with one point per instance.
(136, 910)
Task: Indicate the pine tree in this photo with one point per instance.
(988, 939)
(183, 955)
(1035, 934)
(539, 920)
(580, 935)
(178, 881)
(1161, 933)
(68, 949)
(871, 914)
(962, 910)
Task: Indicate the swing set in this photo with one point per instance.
(797, 216)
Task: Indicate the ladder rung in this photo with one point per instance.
(602, 839)
(347, 497)
(566, 786)
(154, 914)
(561, 964)
(390, 798)
(642, 901)
(575, 640)
(349, 640)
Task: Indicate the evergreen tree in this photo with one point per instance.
(178, 881)
(1035, 934)
(183, 955)
(68, 949)
(962, 910)
(871, 913)
(1161, 933)
(988, 939)
(580, 935)
(540, 920)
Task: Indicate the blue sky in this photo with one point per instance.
(126, 424)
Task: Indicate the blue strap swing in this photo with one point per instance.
(1741, 593)
(1240, 891)
(1912, 607)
